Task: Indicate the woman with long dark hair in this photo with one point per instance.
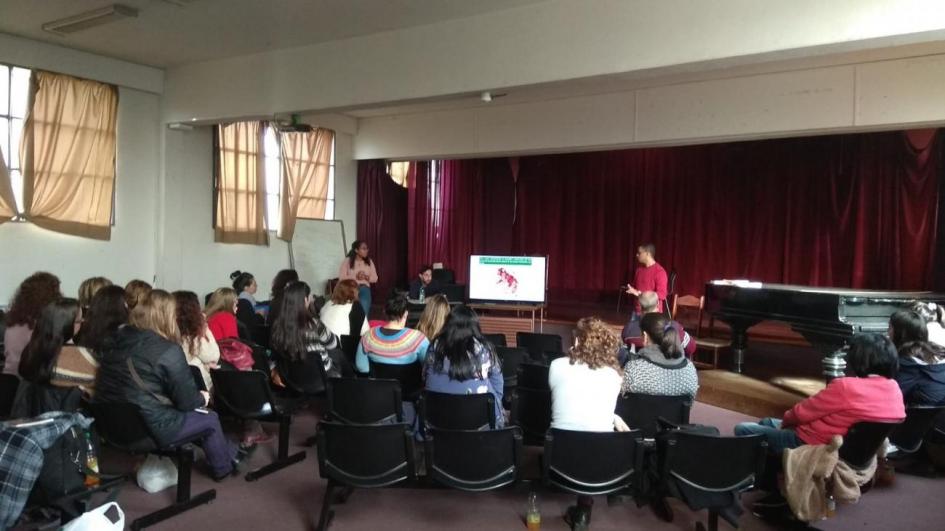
(921, 374)
(107, 312)
(282, 279)
(196, 339)
(51, 358)
(660, 367)
(34, 293)
(299, 337)
(359, 267)
(462, 362)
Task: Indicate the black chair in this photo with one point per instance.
(709, 472)
(364, 401)
(863, 440)
(246, 394)
(909, 435)
(511, 359)
(9, 383)
(531, 411)
(533, 376)
(304, 377)
(644, 411)
(198, 378)
(592, 463)
(349, 346)
(474, 460)
(457, 412)
(362, 457)
(541, 347)
(497, 340)
(444, 276)
(409, 375)
(122, 426)
(454, 292)
(259, 332)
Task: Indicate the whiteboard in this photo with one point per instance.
(316, 251)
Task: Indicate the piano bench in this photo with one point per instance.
(713, 344)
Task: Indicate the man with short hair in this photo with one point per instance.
(649, 303)
(424, 280)
(649, 277)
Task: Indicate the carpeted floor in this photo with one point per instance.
(290, 500)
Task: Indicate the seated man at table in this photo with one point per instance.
(649, 303)
(424, 281)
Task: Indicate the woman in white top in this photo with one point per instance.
(197, 341)
(341, 315)
(359, 267)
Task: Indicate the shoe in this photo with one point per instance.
(243, 451)
(255, 438)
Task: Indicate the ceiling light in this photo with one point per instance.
(89, 19)
(486, 96)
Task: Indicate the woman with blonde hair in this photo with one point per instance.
(221, 314)
(136, 292)
(434, 315)
(340, 314)
(157, 313)
(88, 288)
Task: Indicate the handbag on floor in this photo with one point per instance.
(98, 520)
(156, 474)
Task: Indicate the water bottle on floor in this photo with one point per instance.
(533, 513)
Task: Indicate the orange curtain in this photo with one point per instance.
(7, 200)
(68, 154)
(306, 160)
(241, 192)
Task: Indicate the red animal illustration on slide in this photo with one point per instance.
(511, 283)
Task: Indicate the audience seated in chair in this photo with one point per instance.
(300, 337)
(343, 314)
(921, 374)
(584, 389)
(196, 339)
(50, 358)
(88, 288)
(649, 303)
(934, 316)
(221, 314)
(392, 342)
(435, 312)
(136, 291)
(424, 281)
(461, 362)
(244, 284)
(660, 368)
(33, 294)
(143, 364)
(279, 282)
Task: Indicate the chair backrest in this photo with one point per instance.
(458, 412)
(305, 376)
(644, 411)
(474, 460)
(9, 383)
(692, 462)
(198, 378)
(349, 346)
(863, 440)
(511, 358)
(538, 345)
(121, 425)
(908, 436)
(444, 276)
(531, 411)
(454, 292)
(245, 393)
(409, 375)
(365, 456)
(364, 401)
(591, 463)
(497, 340)
(533, 376)
(691, 303)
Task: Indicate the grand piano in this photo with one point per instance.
(827, 317)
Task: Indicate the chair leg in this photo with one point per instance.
(327, 514)
(185, 502)
(283, 459)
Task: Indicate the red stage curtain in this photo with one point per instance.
(844, 210)
(382, 223)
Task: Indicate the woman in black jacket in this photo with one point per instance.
(143, 364)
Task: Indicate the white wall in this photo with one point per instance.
(189, 258)
(541, 43)
(130, 253)
(893, 94)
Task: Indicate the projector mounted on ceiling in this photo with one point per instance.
(90, 19)
(294, 125)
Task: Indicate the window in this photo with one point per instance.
(14, 96)
(273, 174)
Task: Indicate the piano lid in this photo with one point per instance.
(869, 293)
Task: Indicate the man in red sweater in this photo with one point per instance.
(649, 277)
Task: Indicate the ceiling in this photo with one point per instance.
(166, 34)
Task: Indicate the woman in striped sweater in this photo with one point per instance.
(392, 342)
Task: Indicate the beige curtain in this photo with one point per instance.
(306, 160)
(68, 155)
(241, 192)
(7, 200)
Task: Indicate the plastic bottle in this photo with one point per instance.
(91, 462)
(533, 513)
(422, 295)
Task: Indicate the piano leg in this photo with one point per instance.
(739, 346)
(835, 364)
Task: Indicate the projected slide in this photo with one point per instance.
(507, 278)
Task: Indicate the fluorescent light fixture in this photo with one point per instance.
(89, 19)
